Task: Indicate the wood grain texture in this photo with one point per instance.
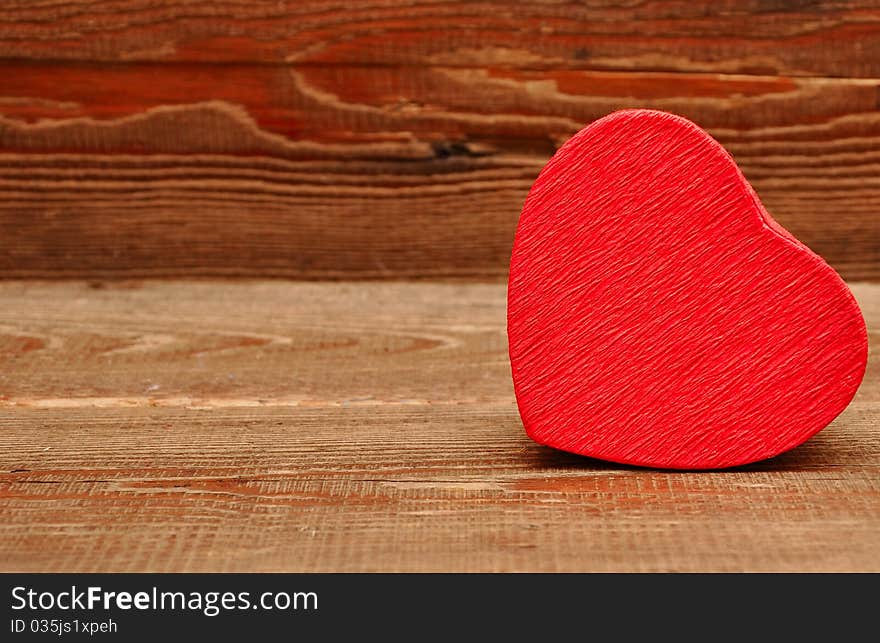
(362, 427)
(399, 139)
(791, 37)
(371, 173)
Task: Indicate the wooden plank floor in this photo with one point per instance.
(277, 426)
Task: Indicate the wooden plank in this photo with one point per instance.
(206, 344)
(446, 488)
(819, 38)
(374, 172)
(211, 343)
(142, 453)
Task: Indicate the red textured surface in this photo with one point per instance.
(658, 316)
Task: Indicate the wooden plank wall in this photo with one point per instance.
(398, 138)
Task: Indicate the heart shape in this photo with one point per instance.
(658, 316)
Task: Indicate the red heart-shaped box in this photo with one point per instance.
(658, 316)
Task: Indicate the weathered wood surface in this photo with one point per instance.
(278, 426)
(317, 139)
(791, 37)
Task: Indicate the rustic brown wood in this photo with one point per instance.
(819, 38)
(149, 169)
(328, 427)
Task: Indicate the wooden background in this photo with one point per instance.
(204, 423)
(289, 426)
(397, 139)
